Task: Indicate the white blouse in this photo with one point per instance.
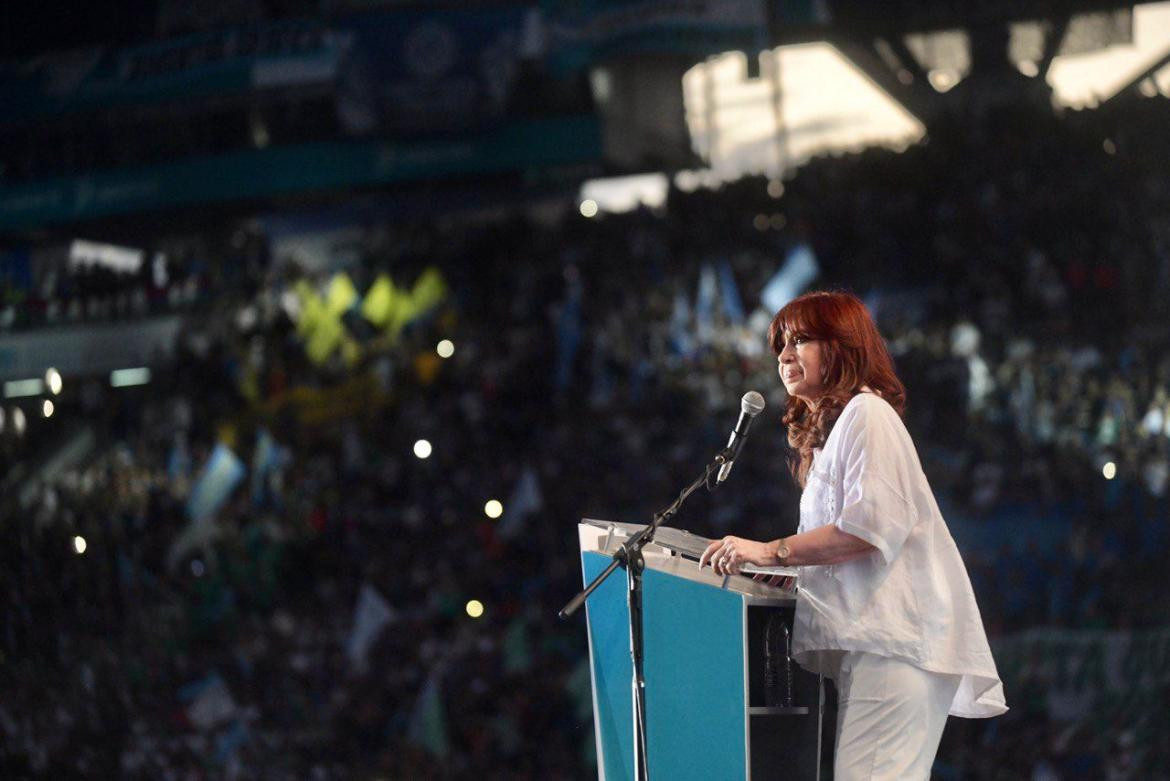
(911, 598)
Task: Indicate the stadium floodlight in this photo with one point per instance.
(124, 378)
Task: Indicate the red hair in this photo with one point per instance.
(853, 354)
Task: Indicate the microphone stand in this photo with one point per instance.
(630, 554)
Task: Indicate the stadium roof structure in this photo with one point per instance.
(882, 83)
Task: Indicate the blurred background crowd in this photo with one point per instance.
(323, 530)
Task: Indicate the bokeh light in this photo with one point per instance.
(493, 509)
(445, 348)
(125, 378)
(1109, 470)
(79, 544)
(47, 408)
(474, 608)
(422, 448)
(53, 380)
(588, 208)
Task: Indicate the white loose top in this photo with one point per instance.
(911, 598)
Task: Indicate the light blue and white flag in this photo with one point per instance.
(682, 344)
(705, 304)
(729, 292)
(267, 457)
(428, 720)
(209, 702)
(370, 617)
(526, 499)
(218, 478)
(799, 270)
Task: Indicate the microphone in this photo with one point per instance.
(750, 405)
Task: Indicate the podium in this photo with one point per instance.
(704, 663)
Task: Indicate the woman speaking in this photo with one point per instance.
(884, 606)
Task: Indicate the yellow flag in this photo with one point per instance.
(325, 338)
(342, 294)
(311, 307)
(429, 290)
(380, 301)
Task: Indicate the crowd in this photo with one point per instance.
(317, 627)
(69, 285)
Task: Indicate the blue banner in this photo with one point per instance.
(405, 69)
(219, 62)
(434, 70)
(516, 146)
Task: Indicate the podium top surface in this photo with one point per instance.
(677, 552)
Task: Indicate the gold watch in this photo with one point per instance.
(782, 552)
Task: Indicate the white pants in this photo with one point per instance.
(890, 718)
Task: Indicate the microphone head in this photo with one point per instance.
(752, 403)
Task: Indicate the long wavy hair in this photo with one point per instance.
(853, 354)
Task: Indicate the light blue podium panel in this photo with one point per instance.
(696, 692)
(608, 612)
(702, 637)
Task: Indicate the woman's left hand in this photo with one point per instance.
(728, 555)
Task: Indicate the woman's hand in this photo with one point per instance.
(728, 555)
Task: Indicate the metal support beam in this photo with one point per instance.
(918, 97)
(897, 44)
(1162, 61)
(1052, 43)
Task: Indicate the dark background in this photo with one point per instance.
(320, 192)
